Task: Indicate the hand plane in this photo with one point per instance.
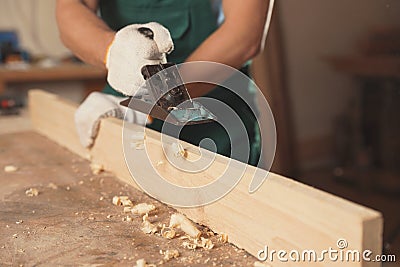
(167, 98)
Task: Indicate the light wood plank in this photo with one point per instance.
(283, 213)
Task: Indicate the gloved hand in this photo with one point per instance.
(135, 46)
(97, 106)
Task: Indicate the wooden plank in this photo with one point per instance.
(54, 118)
(282, 214)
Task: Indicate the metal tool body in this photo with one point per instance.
(168, 98)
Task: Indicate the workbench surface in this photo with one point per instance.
(76, 223)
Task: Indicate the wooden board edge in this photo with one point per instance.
(39, 99)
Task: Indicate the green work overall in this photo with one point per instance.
(190, 22)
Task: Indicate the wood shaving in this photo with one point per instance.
(210, 233)
(126, 202)
(223, 238)
(205, 243)
(178, 150)
(96, 168)
(10, 168)
(32, 192)
(120, 200)
(142, 208)
(127, 219)
(142, 263)
(88, 156)
(189, 245)
(138, 145)
(148, 227)
(127, 209)
(159, 163)
(170, 254)
(180, 221)
(167, 232)
(52, 186)
(138, 140)
(116, 201)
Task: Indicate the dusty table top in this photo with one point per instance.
(73, 221)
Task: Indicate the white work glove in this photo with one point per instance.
(133, 47)
(97, 106)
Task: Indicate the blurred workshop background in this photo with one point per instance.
(331, 73)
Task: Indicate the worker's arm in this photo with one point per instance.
(236, 41)
(82, 31)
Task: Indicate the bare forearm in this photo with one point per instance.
(237, 40)
(86, 35)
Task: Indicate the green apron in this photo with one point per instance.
(190, 22)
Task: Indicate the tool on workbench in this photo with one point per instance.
(167, 98)
(10, 105)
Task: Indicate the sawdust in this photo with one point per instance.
(109, 242)
(142, 208)
(52, 186)
(116, 200)
(127, 209)
(10, 168)
(159, 163)
(148, 227)
(142, 263)
(189, 245)
(96, 168)
(139, 145)
(223, 238)
(126, 202)
(204, 243)
(178, 150)
(180, 221)
(138, 140)
(167, 232)
(127, 219)
(32, 192)
(170, 254)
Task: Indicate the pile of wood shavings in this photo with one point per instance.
(192, 237)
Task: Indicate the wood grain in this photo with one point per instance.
(282, 214)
